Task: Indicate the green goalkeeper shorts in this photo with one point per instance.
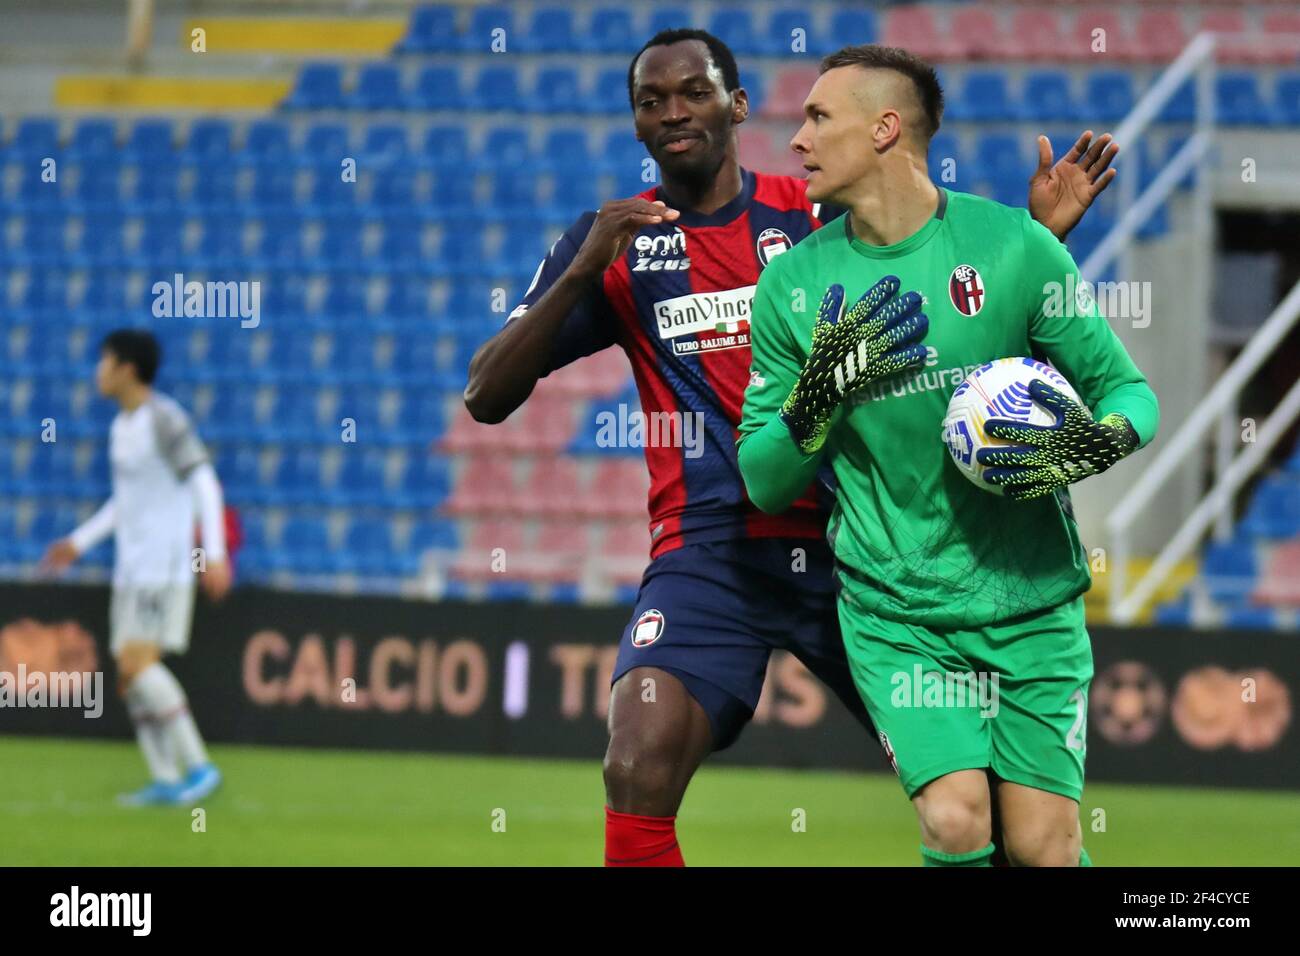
(1011, 697)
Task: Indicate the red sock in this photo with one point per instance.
(633, 840)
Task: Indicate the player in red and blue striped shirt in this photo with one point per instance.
(668, 276)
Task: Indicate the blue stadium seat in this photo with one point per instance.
(984, 97)
(437, 88)
(1181, 107)
(297, 478)
(274, 188)
(609, 31)
(734, 26)
(849, 27)
(216, 189)
(780, 33)
(1229, 569)
(100, 186)
(267, 139)
(379, 87)
(447, 147)
(1238, 101)
(1251, 617)
(157, 188)
(422, 418)
(152, 141)
(305, 546)
(209, 140)
(667, 18)
(1287, 99)
(239, 470)
(368, 549)
(360, 479)
(433, 534)
(326, 143)
(566, 150)
(319, 86)
(998, 153)
(1274, 511)
(556, 91)
(221, 243)
(609, 94)
(386, 141)
(514, 192)
(330, 193)
(483, 26)
(432, 29)
(1047, 97)
(1108, 95)
(551, 31)
(623, 154)
(497, 88)
(1174, 613)
(36, 136)
(93, 138)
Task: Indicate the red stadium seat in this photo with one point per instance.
(544, 423)
(558, 554)
(466, 435)
(554, 488)
(619, 488)
(592, 377)
(480, 557)
(625, 552)
(914, 29)
(977, 34)
(1159, 35)
(1286, 25)
(1037, 35)
(790, 88)
(1280, 582)
(486, 486)
(1079, 43)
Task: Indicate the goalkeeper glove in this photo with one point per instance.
(875, 339)
(1048, 457)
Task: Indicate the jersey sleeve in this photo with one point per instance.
(591, 325)
(775, 471)
(178, 440)
(1067, 328)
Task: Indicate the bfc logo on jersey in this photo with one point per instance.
(647, 629)
(665, 252)
(966, 289)
(771, 243)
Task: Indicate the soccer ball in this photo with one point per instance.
(997, 389)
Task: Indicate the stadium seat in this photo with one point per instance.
(550, 31)
(1274, 511)
(437, 88)
(558, 554)
(1250, 617)
(977, 33)
(553, 488)
(267, 140)
(619, 489)
(556, 91)
(1099, 31)
(1280, 583)
(304, 546)
(379, 87)
(667, 18)
(1181, 107)
(610, 31)
(319, 86)
(1286, 22)
(734, 26)
(36, 136)
(1287, 102)
(368, 549)
(1108, 95)
(1036, 34)
(849, 27)
(431, 29)
(984, 98)
(1159, 35)
(1047, 98)
(485, 486)
(151, 142)
(780, 35)
(385, 141)
(486, 24)
(1228, 569)
(913, 28)
(1238, 101)
(490, 547)
(609, 94)
(93, 138)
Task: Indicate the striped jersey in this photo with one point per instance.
(678, 303)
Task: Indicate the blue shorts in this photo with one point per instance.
(711, 615)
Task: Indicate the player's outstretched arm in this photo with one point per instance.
(206, 489)
(505, 369)
(63, 552)
(1060, 194)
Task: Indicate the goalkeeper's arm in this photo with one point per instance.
(791, 402)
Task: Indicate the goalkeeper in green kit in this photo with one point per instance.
(941, 583)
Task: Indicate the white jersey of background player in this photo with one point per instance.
(161, 478)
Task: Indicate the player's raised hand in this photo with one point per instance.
(1060, 194)
(58, 556)
(616, 222)
(216, 578)
(878, 337)
(1048, 457)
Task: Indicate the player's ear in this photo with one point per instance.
(886, 130)
(739, 105)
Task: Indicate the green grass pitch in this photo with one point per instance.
(307, 807)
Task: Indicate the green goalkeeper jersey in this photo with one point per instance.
(915, 540)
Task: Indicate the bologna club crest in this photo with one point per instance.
(966, 289)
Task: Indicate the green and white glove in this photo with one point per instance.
(1048, 457)
(876, 338)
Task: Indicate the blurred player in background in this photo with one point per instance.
(668, 276)
(936, 576)
(161, 474)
